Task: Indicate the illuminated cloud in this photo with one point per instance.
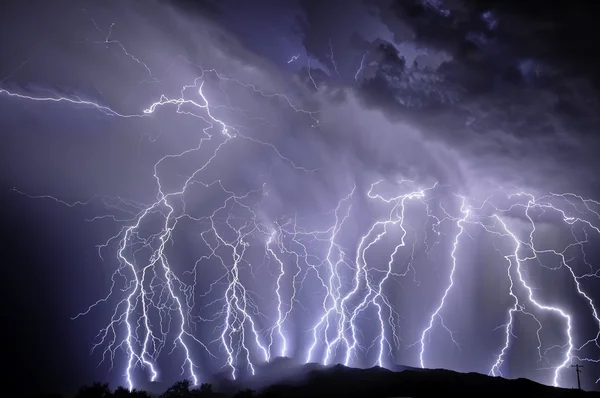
(343, 195)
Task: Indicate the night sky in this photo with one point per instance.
(213, 164)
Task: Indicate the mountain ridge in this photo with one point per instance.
(284, 377)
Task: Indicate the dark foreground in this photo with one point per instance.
(340, 381)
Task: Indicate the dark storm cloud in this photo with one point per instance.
(510, 92)
(202, 8)
(472, 95)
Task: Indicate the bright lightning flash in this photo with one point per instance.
(155, 307)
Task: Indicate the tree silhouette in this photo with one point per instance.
(96, 390)
(122, 392)
(247, 393)
(180, 389)
(205, 391)
(271, 393)
(371, 383)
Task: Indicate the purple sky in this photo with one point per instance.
(319, 100)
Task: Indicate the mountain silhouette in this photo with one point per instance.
(287, 377)
(340, 381)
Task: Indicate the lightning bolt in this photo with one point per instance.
(332, 59)
(155, 306)
(293, 58)
(153, 286)
(331, 305)
(515, 259)
(340, 313)
(309, 70)
(543, 204)
(361, 66)
(109, 42)
(280, 315)
(437, 312)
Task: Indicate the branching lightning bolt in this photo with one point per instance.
(155, 305)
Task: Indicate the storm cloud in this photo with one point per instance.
(319, 98)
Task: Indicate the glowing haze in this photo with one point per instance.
(354, 193)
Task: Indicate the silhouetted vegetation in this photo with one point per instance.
(340, 381)
(182, 389)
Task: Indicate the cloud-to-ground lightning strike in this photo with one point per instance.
(545, 205)
(155, 306)
(515, 259)
(436, 313)
(345, 324)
